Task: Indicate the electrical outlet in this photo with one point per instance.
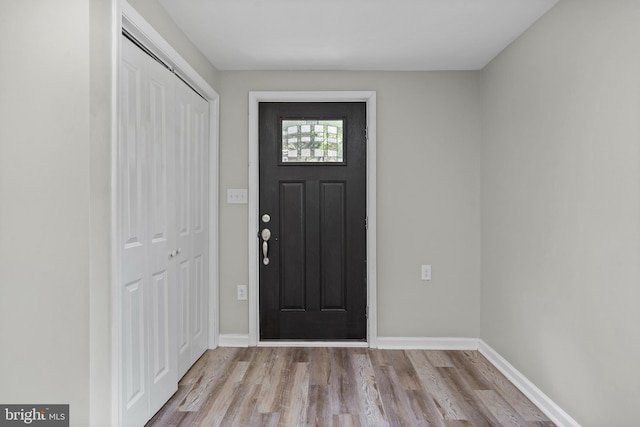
(242, 292)
(426, 272)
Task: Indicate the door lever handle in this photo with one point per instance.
(265, 253)
(266, 235)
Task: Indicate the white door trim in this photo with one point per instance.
(128, 18)
(254, 184)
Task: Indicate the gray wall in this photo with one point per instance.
(561, 208)
(428, 195)
(55, 81)
(45, 208)
(557, 114)
(155, 14)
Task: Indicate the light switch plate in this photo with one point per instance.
(237, 196)
(426, 272)
(242, 292)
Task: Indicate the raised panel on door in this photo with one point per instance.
(333, 246)
(135, 354)
(293, 273)
(160, 353)
(198, 308)
(184, 312)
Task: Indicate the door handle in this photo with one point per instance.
(266, 235)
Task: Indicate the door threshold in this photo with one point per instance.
(285, 343)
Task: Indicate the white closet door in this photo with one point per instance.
(200, 242)
(132, 240)
(192, 136)
(146, 236)
(184, 150)
(163, 362)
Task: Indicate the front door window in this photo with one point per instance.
(312, 141)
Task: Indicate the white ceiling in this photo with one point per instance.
(353, 34)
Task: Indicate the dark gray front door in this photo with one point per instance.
(313, 204)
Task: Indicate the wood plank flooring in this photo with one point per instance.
(262, 386)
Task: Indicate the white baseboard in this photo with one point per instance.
(386, 343)
(328, 344)
(421, 343)
(533, 393)
(233, 340)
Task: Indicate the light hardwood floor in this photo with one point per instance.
(262, 386)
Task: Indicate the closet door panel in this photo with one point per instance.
(133, 238)
(135, 384)
(192, 137)
(184, 199)
(160, 353)
(200, 233)
(161, 325)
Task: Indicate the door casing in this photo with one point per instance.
(255, 97)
